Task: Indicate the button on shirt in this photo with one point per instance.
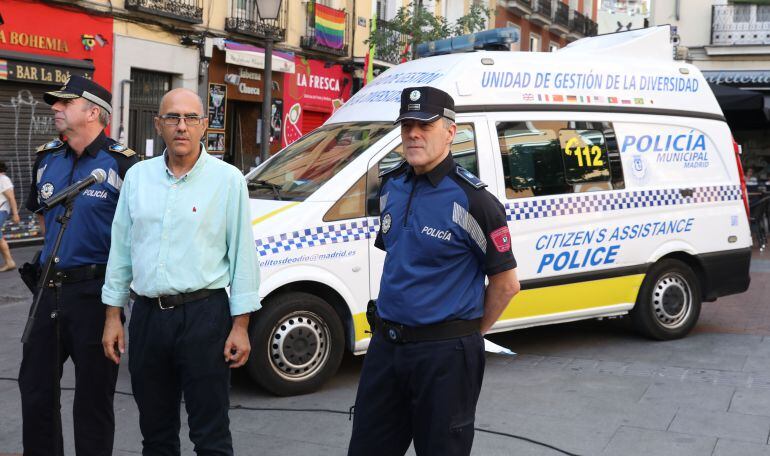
(174, 236)
(443, 232)
(87, 238)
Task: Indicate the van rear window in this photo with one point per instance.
(556, 157)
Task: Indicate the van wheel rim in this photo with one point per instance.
(299, 346)
(672, 301)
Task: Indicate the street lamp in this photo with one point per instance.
(267, 10)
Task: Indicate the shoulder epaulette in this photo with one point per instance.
(51, 145)
(121, 149)
(468, 177)
(399, 167)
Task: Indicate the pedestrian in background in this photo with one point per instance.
(182, 233)
(7, 208)
(443, 233)
(81, 112)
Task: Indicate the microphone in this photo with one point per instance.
(97, 176)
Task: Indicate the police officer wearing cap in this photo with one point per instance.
(81, 112)
(443, 234)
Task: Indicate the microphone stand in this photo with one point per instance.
(48, 279)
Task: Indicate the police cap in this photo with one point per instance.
(80, 87)
(425, 104)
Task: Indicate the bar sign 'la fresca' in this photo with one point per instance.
(311, 94)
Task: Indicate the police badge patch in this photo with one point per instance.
(386, 220)
(415, 95)
(46, 191)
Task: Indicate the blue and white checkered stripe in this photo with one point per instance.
(519, 210)
(606, 202)
(320, 235)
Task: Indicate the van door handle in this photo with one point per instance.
(686, 192)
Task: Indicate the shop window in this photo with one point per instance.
(557, 157)
(741, 13)
(763, 13)
(553, 47)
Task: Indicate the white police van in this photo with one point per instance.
(619, 175)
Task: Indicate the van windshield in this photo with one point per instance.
(302, 167)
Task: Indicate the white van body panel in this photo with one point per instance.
(680, 191)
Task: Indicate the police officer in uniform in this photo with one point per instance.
(443, 233)
(81, 112)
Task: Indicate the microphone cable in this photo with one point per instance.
(349, 414)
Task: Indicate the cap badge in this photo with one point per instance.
(415, 95)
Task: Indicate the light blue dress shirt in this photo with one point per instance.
(172, 236)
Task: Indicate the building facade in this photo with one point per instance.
(546, 25)
(730, 43)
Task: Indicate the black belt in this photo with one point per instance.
(402, 334)
(171, 301)
(79, 274)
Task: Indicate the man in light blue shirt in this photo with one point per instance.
(181, 234)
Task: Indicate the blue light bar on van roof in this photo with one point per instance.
(496, 39)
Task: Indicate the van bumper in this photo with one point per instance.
(725, 273)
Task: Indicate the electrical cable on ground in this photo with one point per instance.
(349, 413)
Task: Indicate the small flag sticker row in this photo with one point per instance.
(3, 69)
(546, 98)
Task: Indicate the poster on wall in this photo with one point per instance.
(215, 143)
(217, 104)
(276, 117)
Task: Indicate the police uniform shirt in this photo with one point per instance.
(87, 238)
(443, 232)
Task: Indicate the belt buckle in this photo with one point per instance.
(393, 333)
(160, 304)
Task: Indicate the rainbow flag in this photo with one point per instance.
(329, 26)
(369, 62)
(3, 69)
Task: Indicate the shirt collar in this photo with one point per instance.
(195, 169)
(95, 146)
(435, 175)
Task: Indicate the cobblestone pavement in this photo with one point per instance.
(587, 388)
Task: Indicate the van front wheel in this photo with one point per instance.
(669, 301)
(297, 342)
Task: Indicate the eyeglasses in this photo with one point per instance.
(172, 120)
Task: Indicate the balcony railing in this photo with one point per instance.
(314, 41)
(743, 24)
(190, 11)
(561, 15)
(578, 25)
(592, 28)
(395, 48)
(520, 7)
(244, 19)
(541, 12)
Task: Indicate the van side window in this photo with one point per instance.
(350, 205)
(463, 150)
(585, 156)
(557, 157)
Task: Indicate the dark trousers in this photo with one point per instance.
(179, 352)
(426, 392)
(81, 323)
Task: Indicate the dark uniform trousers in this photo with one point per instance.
(81, 315)
(423, 391)
(178, 352)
